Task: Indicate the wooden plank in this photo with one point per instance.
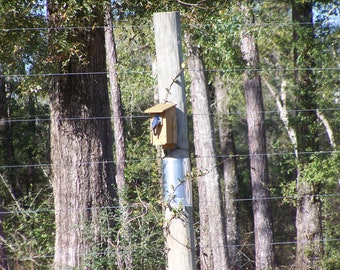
(179, 230)
(160, 108)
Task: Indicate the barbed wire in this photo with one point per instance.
(121, 24)
(287, 242)
(228, 70)
(30, 211)
(37, 119)
(44, 118)
(134, 246)
(13, 166)
(63, 28)
(139, 205)
(52, 74)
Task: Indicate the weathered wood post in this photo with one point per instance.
(176, 163)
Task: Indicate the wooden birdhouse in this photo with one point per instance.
(163, 125)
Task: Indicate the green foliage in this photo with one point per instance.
(331, 232)
(71, 20)
(142, 218)
(29, 232)
(136, 77)
(25, 194)
(217, 27)
(144, 194)
(18, 44)
(322, 172)
(135, 229)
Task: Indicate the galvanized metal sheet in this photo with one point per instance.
(176, 186)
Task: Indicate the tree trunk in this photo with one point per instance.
(328, 128)
(32, 143)
(280, 99)
(116, 107)
(229, 172)
(81, 147)
(6, 143)
(116, 104)
(309, 249)
(264, 251)
(5, 129)
(213, 248)
(3, 264)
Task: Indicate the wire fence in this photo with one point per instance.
(24, 211)
(113, 253)
(231, 70)
(156, 159)
(120, 24)
(46, 118)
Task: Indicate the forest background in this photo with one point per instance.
(296, 44)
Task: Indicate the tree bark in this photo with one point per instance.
(32, 143)
(328, 128)
(3, 264)
(124, 262)
(7, 140)
(116, 103)
(81, 147)
(309, 248)
(280, 99)
(227, 145)
(213, 248)
(5, 129)
(6, 144)
(264, 249)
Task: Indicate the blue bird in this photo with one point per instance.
(155, 122)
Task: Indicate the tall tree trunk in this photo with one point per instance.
(81, 146)
(264, 249)
(280, 99)
(213, 248)
(118, 124)
(309, 249)
(3, 264)
(5, 129)
(7, 141)
(32, 143)
(328, 128)
(229, 172)
(6, 144)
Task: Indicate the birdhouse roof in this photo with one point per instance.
(160, 108)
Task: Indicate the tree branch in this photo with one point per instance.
(327, 126)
